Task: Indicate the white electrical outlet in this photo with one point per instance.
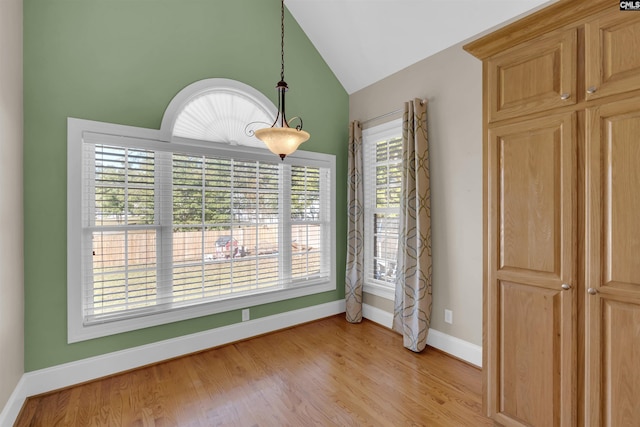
(245, 315)
(448, 316)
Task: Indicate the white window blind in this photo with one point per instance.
(382, 149)
(166, 229)
(119, 211)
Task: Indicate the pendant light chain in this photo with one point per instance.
(282, 41)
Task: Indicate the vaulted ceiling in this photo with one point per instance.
(364, 41)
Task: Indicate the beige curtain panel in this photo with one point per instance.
(354, 279)
(413, 298)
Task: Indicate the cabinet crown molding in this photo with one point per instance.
(557, 15)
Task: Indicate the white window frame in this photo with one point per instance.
(78, 130)
(370, 137)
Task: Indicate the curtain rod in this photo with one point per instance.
(390, 113)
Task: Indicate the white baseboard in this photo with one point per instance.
(14, 404)
(65, 375)
(461, 349)
(377, 315)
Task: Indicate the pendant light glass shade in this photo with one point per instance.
(281, 139)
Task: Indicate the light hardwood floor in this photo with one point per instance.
(325, 373)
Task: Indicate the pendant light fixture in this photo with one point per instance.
(281, 139)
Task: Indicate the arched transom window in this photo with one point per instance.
(219, 110)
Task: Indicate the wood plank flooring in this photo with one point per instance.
(325, 373)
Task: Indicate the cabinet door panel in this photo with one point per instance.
(530, 190)
(612, 54)
(534, 76)
(532, 177)
(621, 222)
(619, 353)
(530, 363)
(530, 355)
(612, 269)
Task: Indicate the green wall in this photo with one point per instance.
(122, 62)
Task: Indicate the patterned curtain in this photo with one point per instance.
(355, 226)
(412, 312)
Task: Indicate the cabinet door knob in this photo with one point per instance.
(565, 96)
(592, 291)
(592, 89)
(566, 286)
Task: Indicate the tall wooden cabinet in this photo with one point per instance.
(562, 217)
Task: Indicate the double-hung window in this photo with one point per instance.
(164, 231)
(382, 152)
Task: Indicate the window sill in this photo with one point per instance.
(79, 332)
(380, 291)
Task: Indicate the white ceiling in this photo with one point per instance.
(364, 41)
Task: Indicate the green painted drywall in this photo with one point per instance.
(122, 62)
